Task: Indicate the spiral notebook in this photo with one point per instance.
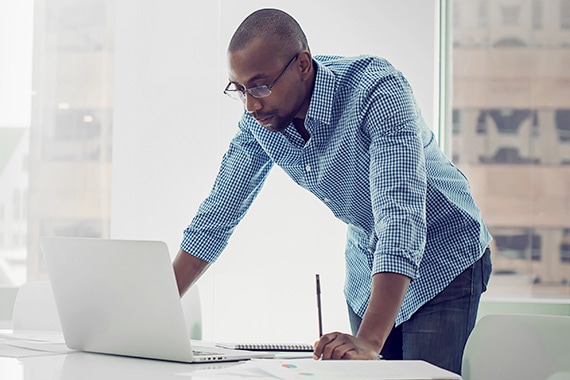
(285, 347)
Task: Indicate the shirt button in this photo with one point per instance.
(326, 200)
(308, 167)
(370, 250)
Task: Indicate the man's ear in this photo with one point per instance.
(305, 62)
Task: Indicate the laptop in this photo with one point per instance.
(120, 297)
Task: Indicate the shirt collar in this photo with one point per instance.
(320, 107)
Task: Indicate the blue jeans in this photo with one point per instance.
(438, 331)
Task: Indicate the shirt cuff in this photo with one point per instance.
(197, 247)
(395, 264)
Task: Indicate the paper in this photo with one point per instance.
(305, 369)
(32, 344)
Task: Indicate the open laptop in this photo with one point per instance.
(120, 297)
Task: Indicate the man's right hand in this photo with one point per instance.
(187, 270)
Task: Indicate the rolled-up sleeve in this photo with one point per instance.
(397, 178)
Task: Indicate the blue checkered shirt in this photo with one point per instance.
(374, 162)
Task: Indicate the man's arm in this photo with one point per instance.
(187, 270)
(388, 291)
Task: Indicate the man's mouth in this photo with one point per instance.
(264, 120)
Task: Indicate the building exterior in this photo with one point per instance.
(511, 134)
(71, 124)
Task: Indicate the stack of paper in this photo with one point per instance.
(28, 344)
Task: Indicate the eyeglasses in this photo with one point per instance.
(237, 91)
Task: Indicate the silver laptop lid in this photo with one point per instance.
(117, 297)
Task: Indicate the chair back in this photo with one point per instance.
(518, 346)
(34, 309)
(8, 295)
(192, 308)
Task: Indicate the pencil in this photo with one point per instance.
(318, 283)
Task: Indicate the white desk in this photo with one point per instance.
(44, 356)
(86, 366)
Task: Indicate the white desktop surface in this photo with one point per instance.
(86, 366)
(82, 365)
(34, 361)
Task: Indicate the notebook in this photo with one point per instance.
(281, 347)
(120, 297)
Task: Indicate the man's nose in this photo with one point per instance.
(251, 103)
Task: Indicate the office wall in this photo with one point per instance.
(172, 124)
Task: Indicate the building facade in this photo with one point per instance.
(511, 134)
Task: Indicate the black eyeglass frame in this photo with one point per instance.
(258, 92)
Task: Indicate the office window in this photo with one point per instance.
(509, 120)
(510, 15)
(456, 17)
(563, 125)
(16, 29)
(537, 15)
(509, 42)
(456, 121)
(55, 136)
(71, 125)
(482, 122)
(565, 14)
(482, 14)
(565, 247)
(513, 141)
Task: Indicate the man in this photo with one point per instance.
(349, 131)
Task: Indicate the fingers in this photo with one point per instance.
(315, 350)
(334, 346)
(337, 345)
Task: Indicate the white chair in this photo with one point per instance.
(34, 309)
(518, 347)
(192, 307)
(7, 299)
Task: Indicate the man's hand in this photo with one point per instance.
(187, 270)
(388, 290)
(337, 345)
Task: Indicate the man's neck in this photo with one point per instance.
(300, 127)
(299, 122)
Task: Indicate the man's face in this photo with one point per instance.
(260, 65)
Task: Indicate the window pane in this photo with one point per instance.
(511, 136)
(55, 163)
(565, 14)
(537, 16)
(70, 142)
(510, 15)
(16, 31)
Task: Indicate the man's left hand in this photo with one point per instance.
(338, 345)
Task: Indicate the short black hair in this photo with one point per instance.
(270, 23)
